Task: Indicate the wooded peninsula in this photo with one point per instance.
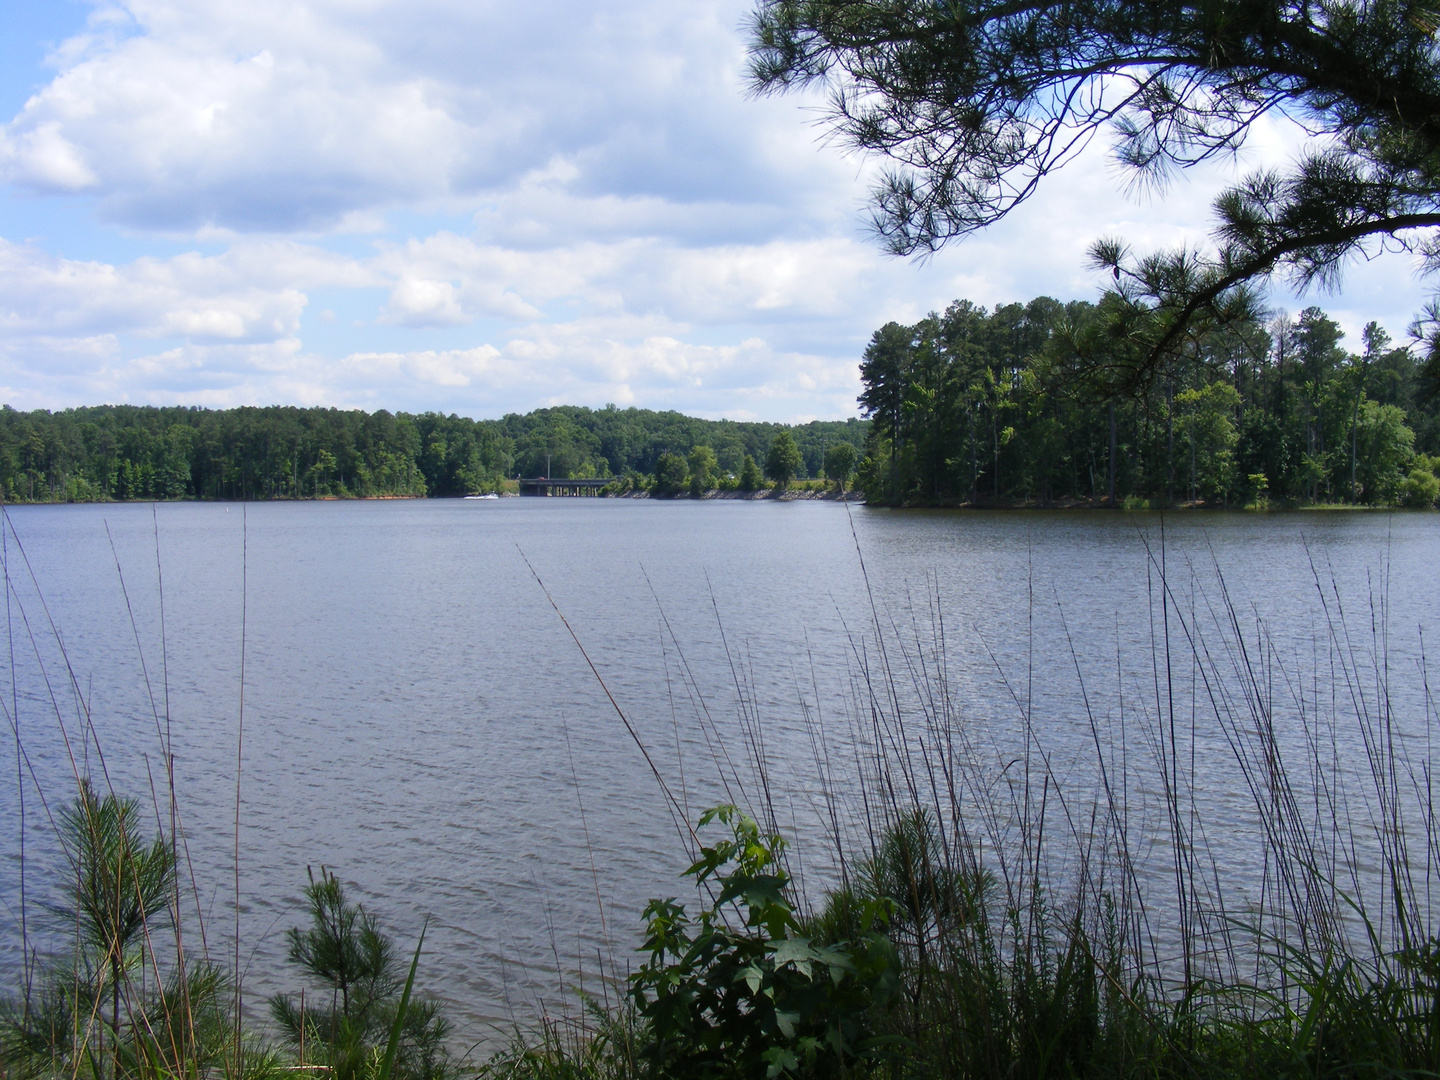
(1042, 403)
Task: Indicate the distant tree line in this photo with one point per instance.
(1017, 405)
(700, 471)
(118, 452)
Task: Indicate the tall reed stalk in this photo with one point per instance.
(1136, 919)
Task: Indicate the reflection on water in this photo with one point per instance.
(417, 718)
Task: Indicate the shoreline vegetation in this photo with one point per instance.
(1041, 403)
(143, 453)
(1028, 405)
(994, 915)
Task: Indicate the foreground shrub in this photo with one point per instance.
(111, 1005)
(743, 991)
(370, 1027)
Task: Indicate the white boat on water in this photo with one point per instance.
(492, 495)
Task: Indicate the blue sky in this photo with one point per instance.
(479, 206)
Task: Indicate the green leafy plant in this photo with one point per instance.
(742, 991)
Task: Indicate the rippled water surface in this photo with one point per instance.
(417, 717)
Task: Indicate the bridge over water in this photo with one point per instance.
(546, 486)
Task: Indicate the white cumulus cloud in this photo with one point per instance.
(486, 206)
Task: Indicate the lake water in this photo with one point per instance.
(417, 718)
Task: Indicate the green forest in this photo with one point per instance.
(1017, 406)
(969, 407)
(116, 452)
